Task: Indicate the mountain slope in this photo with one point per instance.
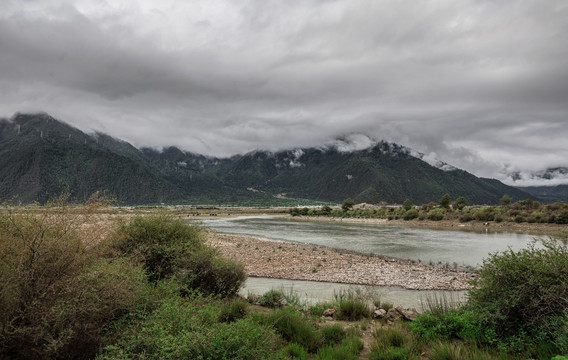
(41, 157)
(385, 172)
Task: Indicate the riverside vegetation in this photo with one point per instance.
(528, 211)
(148, 287)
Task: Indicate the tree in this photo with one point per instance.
(460, 203)
(506, 200)
(445, 201)
(347, 204)
(407, 205)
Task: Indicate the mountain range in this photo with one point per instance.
(41, 157)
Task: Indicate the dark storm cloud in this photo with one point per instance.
(482, 85)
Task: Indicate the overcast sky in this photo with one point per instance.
(482, 85)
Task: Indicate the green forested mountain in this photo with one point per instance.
(548, 194)
(41, 157)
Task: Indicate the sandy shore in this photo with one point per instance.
(285, 260)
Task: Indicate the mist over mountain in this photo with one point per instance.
(41, 157)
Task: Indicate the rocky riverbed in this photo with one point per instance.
(294, 261)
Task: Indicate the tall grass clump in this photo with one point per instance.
(171, 248)
(353, 304)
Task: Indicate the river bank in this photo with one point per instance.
(294, 261)
(478, 226)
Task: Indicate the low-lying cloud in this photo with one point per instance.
(481, 85)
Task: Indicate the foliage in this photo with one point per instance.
(272, 298)
(461, 202)
(410, 214)
(332, 334)
(347, 204)
(186, 329)
(506, 200)
(407, 205)
(485, 214)
(451, 324)
(353, 310)
(172, 248)
(56, 292)
(294, 328)
(445, 201)
(522, 296)
(436, 214)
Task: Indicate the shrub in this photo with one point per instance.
(522, 296)
(159, 243)
(436, 214)
(410, 214)
(452, 324)
(333, 334)
(208, 272)
(295, 328)
(562, 218)
(272, 298)
(486, 214)
(353, 310)
(56, 293)
(466, 217)
(172, 248)
(237, 309)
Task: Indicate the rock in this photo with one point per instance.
(329, 312)
(379, 313)
(409, 314)
(400, 313)
(393, 315)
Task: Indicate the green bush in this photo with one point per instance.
(272, 298)
(208, 272)
(159, 243)
(522, 296)
(295, 328)
(333, 334)
(410, 214)
(56, 293)
(353, 310)
(436, 214)
(181, 329)
(237, 309)
(172, 248)
(452, 324)
(486, 214)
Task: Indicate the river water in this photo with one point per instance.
(417, 244)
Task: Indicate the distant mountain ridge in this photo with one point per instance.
(41, 157)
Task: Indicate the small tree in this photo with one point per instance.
(347, 204)
(445, 201)
(461, 202)
(506, 200)
(407, 205)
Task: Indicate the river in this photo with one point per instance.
(406, 243)
(416, 244)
